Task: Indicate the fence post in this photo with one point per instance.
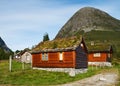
(23, 65)
(31, 64)
(96, 66)
(92, 66)
(10, 63)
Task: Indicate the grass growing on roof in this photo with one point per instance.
(58, 43)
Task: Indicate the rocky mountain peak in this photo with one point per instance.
(87, 19)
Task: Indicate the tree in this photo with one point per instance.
(45, 37)
(4, 55)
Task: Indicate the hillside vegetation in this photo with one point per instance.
(5, 52)
(88, 19)
(107, 37)
(95, 25)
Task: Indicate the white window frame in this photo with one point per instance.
(97, 54)
(27, 57)
(44, 57)
(61, 56)
(109, 55)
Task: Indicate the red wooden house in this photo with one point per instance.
(60, 53)
(100, 54)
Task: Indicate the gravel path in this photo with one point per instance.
(105, 79)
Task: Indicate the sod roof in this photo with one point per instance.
(99, 47)
(58, 44)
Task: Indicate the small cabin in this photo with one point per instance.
(26, 57)
(23, 56)
(64, 54)
(17, 56)
(100, 54)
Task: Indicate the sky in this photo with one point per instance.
(23, 23)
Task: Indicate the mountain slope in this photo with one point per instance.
(87, 19)
(5, 52)
(4, 46)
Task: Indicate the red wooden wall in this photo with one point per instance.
(53, 60)
(102, 58)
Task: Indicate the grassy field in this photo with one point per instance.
(38, 77)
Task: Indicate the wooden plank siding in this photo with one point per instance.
(36, 59)
(71, 59)
(81, 58)
(103, 57)
(68, 53)
(53, 60)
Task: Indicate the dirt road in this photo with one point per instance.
(103, 79)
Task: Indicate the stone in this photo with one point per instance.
(72, 73)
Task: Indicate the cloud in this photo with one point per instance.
(24, 22)
(25, 26)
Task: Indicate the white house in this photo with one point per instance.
(26, 57)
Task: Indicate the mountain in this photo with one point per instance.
(5, 52)
(4, 46)
(88, 19)
(95, 26)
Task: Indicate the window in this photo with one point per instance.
(28, 57)
(81, 44)
(61, 56)
(97, 55)
(109, 55)
(16, 56)
(44, 57)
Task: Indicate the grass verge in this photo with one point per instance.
(39, 77)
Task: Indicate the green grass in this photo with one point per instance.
(106, 37)
(102, 35)
(38, 77)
